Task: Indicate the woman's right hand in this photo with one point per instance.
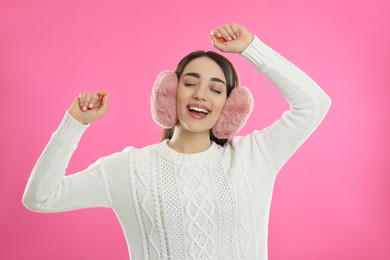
(89, 107)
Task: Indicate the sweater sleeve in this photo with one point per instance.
(49, 190)
(308, 105)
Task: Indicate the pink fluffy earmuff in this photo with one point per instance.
(236, 111)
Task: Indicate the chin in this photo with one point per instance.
(190, 124)
(196, 129)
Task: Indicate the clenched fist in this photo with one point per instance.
(89, 107)
(231, 38)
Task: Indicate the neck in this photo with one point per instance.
(189, 142)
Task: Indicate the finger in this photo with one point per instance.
(218, 43)
(215, 35)
(235, 28)
(82, 99)
(87, 101)
(100, 96)
(94, 101)
(224, 34)
(215, 38)
(104, 106)
(219, 34)
(102, 93)
(229, 31)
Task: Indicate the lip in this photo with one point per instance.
(200, 106)
(197, 115)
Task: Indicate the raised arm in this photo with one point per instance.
(308, 102)
(48, 189)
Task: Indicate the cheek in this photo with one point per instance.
(181, 100)
(220, 104)
(179, 95)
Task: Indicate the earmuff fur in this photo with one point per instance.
(163, 99)
(236, 111)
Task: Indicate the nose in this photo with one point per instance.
(200, 93)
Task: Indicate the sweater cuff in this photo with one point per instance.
(257, 52)
(70, 129)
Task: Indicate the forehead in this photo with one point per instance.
(205, 67)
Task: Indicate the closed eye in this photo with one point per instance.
(216, 91)
(188, 84)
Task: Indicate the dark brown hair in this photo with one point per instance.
(228, 71)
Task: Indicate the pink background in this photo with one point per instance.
(331, 200)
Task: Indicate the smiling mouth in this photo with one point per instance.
(197, 112)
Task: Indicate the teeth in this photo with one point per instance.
(198, 109)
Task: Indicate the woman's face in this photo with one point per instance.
(201, 95)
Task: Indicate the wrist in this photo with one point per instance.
(77, 118)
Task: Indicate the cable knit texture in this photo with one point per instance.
(209, 205)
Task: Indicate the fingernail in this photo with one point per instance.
(90, 105)
(229, 38)
(84, 108)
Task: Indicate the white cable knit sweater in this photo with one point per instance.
(210, 205)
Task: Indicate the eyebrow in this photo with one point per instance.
(197, 75)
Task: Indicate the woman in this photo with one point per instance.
(201, 193)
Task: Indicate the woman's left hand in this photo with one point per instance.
(231, 38)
